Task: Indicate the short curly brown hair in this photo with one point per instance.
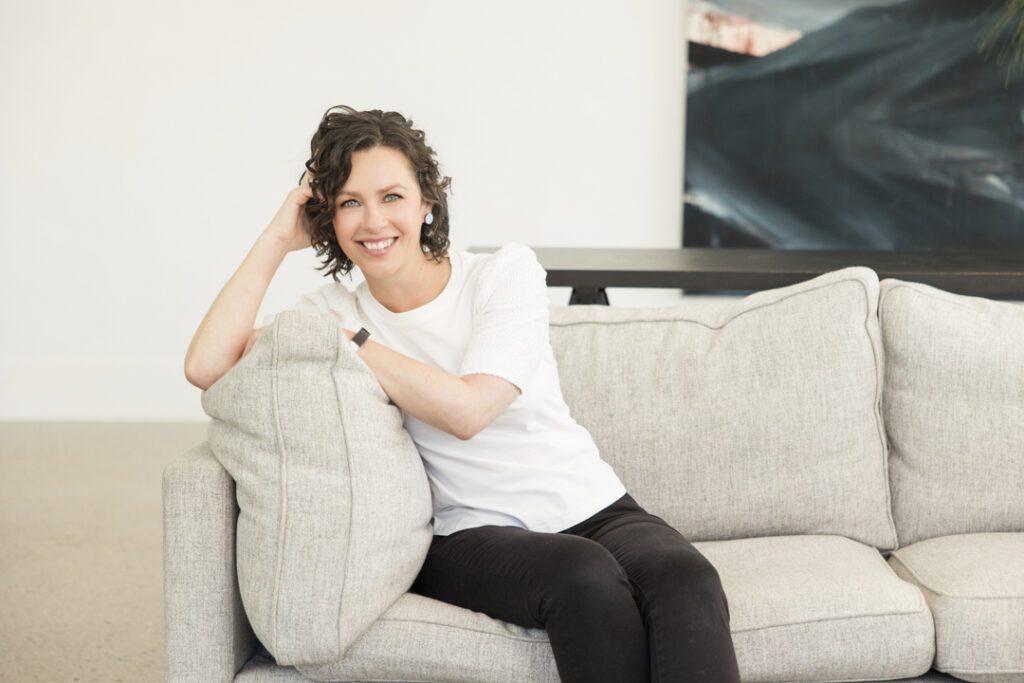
(339, 135)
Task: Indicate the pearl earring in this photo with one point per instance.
(429, 219)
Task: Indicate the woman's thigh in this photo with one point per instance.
(505, 571)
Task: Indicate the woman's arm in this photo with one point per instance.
(218, 342)
(222, 336)
(508, 340)
(460, 406)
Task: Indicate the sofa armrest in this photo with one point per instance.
(207, 635)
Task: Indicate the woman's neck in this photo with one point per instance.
(420, 288)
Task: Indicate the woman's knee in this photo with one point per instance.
(684, 572)
(697, 569)
(590, 575)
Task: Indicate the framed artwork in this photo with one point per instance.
(855, 124)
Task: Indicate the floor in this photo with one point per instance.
(81, 571)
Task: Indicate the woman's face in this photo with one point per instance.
(379, 212)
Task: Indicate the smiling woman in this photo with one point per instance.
(530, 525)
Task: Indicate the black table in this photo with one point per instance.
(995, 274)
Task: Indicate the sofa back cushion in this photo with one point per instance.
(753, 417)
(954, 411)
(334, 506)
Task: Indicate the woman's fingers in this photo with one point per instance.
(304, 189)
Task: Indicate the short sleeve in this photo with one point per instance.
(510, 317)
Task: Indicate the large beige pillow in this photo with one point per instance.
(753, 417)
(335, 507)
(954, 410)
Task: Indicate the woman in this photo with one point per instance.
(531, 526)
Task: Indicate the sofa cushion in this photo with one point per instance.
(974, 585)
(953, 407)
(324, 470)
(802, 608)
(753, 417)
(422, 639)
(261, 668)
(820, 608)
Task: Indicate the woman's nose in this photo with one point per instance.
(373, 218)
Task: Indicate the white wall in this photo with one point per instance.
(144, 147)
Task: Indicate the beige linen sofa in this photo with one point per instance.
(847, 453)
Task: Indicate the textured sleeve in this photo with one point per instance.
(510, 317)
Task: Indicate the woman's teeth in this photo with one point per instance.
(379, 246)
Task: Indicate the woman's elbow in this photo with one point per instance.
(464, 431)
(198, 379)
(471, 423)
(487, 397)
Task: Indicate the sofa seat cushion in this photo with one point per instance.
(953, 406)
(334, 505)
(803, 608)
(820, 608)
(422, 639)
(752, 417)
(261, 668)
(974, 585)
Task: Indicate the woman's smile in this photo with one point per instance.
(378, 248)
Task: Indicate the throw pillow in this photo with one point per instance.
(334, 506)
(756, 416)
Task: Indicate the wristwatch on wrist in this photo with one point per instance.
(361, 336)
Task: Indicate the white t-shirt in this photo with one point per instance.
(534, 466)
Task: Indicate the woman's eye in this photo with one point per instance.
(346, 202)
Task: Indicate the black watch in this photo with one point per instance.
(361, 336)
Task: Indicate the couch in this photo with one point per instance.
(847, 453)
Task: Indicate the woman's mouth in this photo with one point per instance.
(379, 247)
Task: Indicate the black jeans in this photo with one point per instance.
(625, 598)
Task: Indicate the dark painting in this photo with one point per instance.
(829, 124)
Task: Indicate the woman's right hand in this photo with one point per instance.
(290, 225)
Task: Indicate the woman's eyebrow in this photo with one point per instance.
(386, 189)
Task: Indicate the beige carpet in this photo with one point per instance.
(81, 567)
